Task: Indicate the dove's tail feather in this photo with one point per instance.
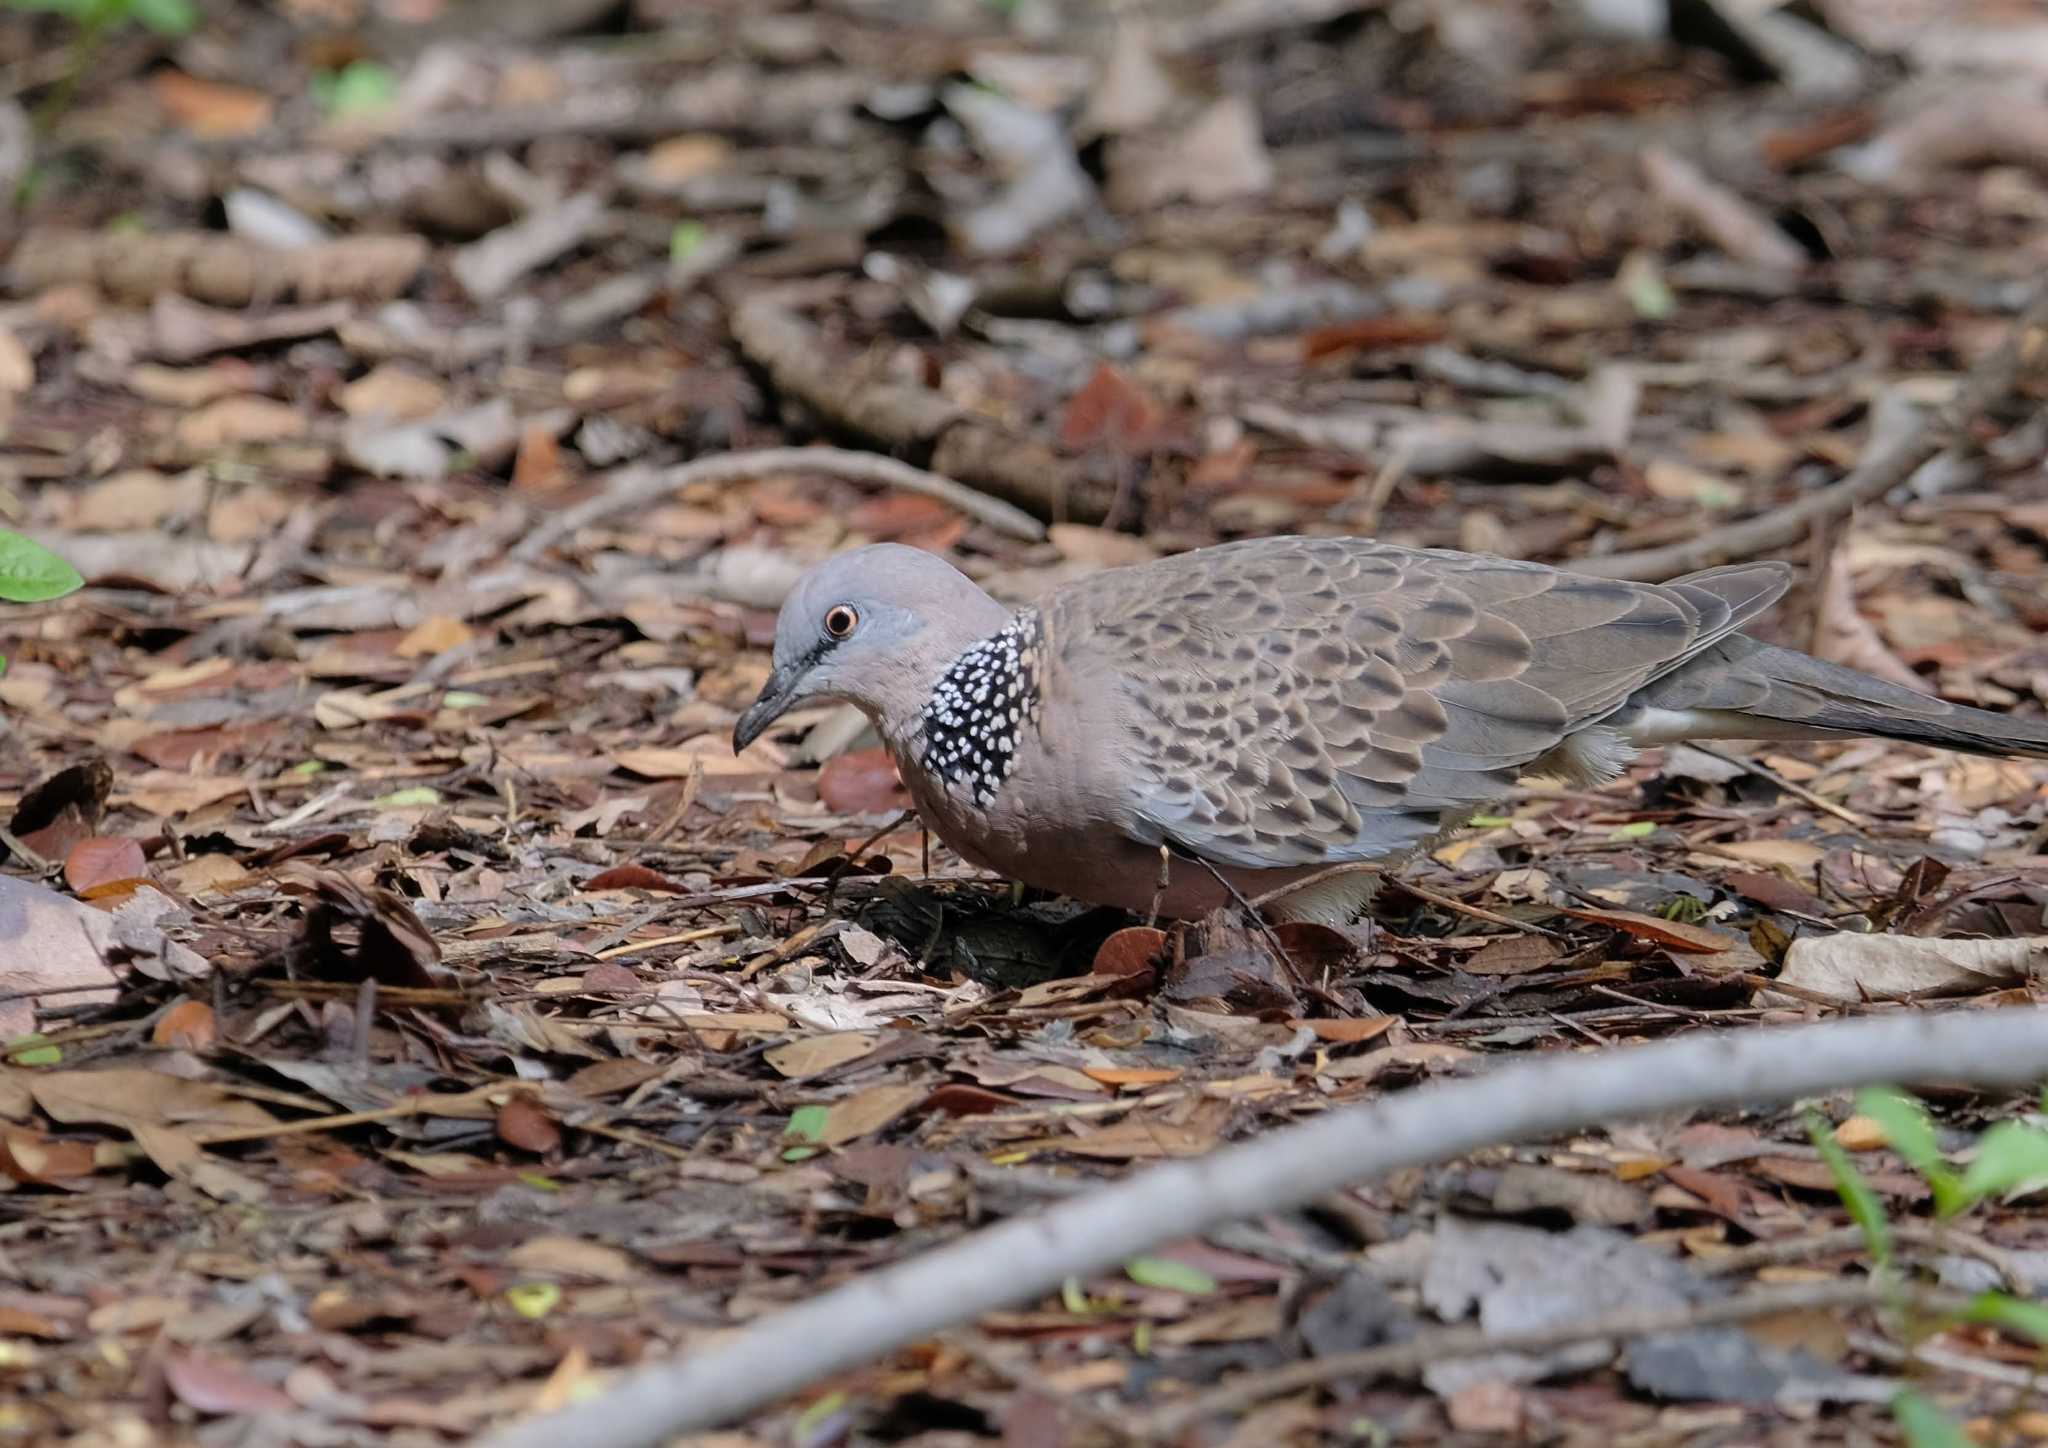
(1739, 688)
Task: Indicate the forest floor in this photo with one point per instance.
(484, 1025)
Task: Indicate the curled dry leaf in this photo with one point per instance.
(29, 1156)
(1854, 968)
(525, 1123)
(1131, 951)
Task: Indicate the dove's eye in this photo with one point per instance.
(840, 621)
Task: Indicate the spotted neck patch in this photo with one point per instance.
(981, 708)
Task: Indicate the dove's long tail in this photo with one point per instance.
(1739, 688)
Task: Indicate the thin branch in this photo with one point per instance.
(640, 487)
(1887, 464)
(1026, 1257)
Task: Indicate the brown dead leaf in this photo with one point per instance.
(574, 1258)
(1350, 1031)
(435, 634)
(217, 1386)
(177, 1154)
(1109, 411)
(101, 860)
(236, 420)
(17, 368)
(129, 1097)
(208, 108)
(1131, 951)
(393, 394)
(525, 1123)
(1513, 955)
(867, 1112)
(1102, 547)
(813, 1055)
(685, 158)
(537, 466)
(1137, 1140)
(1131, 1075)
(1842, 635)
(862, 782)
(1671, 934)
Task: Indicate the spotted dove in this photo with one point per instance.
(1263, 711)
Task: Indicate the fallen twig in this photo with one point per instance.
(916, 420)
(1887, 464)
(639, 487)
(1026, 1257)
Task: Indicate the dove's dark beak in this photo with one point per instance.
(783, 688)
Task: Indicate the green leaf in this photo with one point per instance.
(1909, 1132)
(2015, 1315)
(34, 1049)
(1638, 830)
(1074, 1298)
(31, 573)
(1925, 1426)
(363, 85)
(806, 1124)
(1169, 1274)
(1865, 1210)
(812, 1418)
(2009, 1155)
(402, 798)
(533, 1299)
(685, 238)
(463, 699)
(165, 17)
(1488, 822)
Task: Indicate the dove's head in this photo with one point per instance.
(875, 627)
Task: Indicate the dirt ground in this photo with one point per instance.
(414, 1010)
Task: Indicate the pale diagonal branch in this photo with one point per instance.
(1027, 1257)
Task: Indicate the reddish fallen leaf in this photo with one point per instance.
(1367, 333)
(525, 1123)
(863, 782)
(632, 877)
(1315, 948)
(1111, 410)
(892, 515)
(959, 1099)
(1131, 951)
(188, 1025)
(1671, 934)
(608, 977)
(29, 1156)
(1792, 146)
(214, 1385)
